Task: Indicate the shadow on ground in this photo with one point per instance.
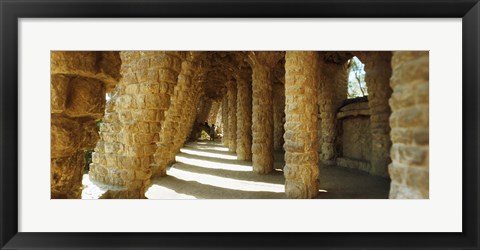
(206, 170)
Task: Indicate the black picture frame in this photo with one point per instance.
(11, 11)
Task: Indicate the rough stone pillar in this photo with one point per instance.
(204, 109)
(378, 71)
(225, 120)
(122, 158)
(244, 114)
(232, 115)
(212, 117)
(332, 75)
(219, 119)
(262, 110)
(174, 117)
(278, 115)
(78, 84)
(301, 158)
(409, 169)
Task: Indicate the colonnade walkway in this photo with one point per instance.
(206, 170)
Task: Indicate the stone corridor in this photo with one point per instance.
(207, 170)
(284, 123)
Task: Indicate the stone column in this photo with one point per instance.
(219, 119)
(225, 120)
(332, 75)
(212, 117)
(244, 114)
(232, 115)
(165, 153)
(409, 121)
(301, 158)
(378, 71)
(122, 158)
(78, 85)
(262, 110)
(204, 109)
(278, 115)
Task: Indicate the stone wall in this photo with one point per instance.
(132, 123)
(355, 138)
(78, 84)
(378, 71)
(409, 121)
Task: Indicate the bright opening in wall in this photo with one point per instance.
(357, 87)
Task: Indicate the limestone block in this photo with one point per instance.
(59, 89)
(74, 62)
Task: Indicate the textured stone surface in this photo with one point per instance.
(212, 116)
(225, 139)
(131, 128)
(232, 115)
(356, 138)
(77, 88)
(409, 170)
(260, 102)
(301, 158)
(244, 114)
(278, 116)
(378, 72)
(262, 110)
(180, 110)
(332, 76)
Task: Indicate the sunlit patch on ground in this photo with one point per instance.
(212, 164)
(207, 154)
(156, 191)
(226, 182)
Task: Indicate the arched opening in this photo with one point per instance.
(357, 87)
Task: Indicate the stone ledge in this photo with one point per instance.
(354, 163)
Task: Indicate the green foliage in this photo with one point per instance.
(357, 87)
(204, 135)
(98, 123)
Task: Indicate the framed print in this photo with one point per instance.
(226, 124)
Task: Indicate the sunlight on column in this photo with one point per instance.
(208, 154)
(212, 164)
(226, 182)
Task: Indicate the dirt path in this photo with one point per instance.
(206, 170)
